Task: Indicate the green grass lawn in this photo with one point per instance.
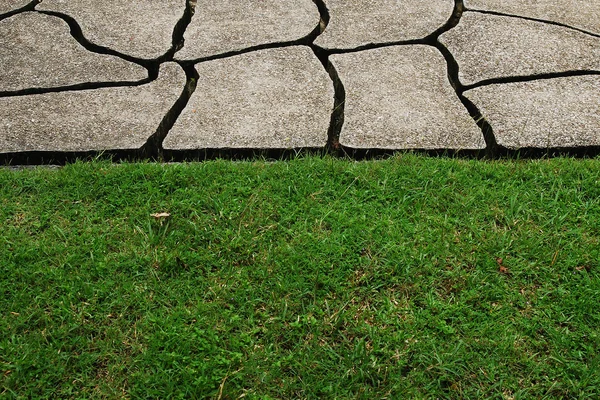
(411, 277)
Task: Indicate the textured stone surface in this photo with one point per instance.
(582, 14)
(220, 26)
(561, 112)
(279, 98)
(399, 97)
(140, 28)
(111, 118)
(48, 56)
(358, 22)
(488, 46)
(10, 5)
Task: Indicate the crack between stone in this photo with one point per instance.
(492, 147)
(251, 49)
(544, 21)
(153, 148)
(74, 88)
(25, 8)
(323, 21)
(457, 12)
(529, 78)
(178, 40)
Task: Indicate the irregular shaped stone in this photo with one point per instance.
(142, 28)
(358, 22)
(220, 26)
(11, 5)
(488, 46)
(279, 98)
(582, 14)
(400, 98)
(48, 56)
(109, 118)
(561, 112)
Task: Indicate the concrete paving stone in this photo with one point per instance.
(488, 46)
(561, 112)
(358, 22)
(582, 14)
(48, 56)
(221, 26)
(142, 28)
(10, 5)
(108, 118)
(400, 98)
(278, 98)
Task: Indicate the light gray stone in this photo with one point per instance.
(582, 14)
(488, 46)
(48, 56)
(358, 22)
(400, 98)
(220, 26)
(141, 28)
(279, 98)
(10, 5)
(561, 112)
(110, 118)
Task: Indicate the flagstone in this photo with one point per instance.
(489, 46)
(141, 28)
(358, 22)
(279, 98)
(400, 98)
(99, 119)
(221, 26)
(48, 56)
(561, 112)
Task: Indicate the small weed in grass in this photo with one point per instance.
(411, 277)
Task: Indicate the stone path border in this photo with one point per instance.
(192, 79)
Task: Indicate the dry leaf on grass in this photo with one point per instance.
(502, 268)
(160, 215)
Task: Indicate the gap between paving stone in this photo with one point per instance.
(582, 16)
(8, 11)
(541, 20)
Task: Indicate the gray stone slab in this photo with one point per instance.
(279, 98)
(358, 22)
(400, 98)
(221, 26)
(582, 14)
(110, 118)
(142, 28)
(48, 56)
(488, 46)
(561, 112)
(10, 5)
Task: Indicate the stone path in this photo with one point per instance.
(177, 78)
